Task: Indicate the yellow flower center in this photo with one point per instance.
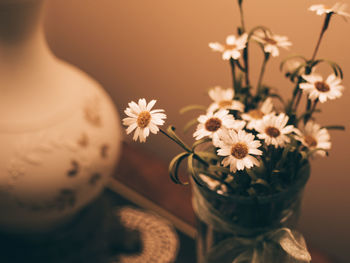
(256, 114)
(143, 119)
(270, 41)
(310, 141)
(322, 86)
(213, 124)
(239, 150)
(272, 132)
(233, 46)
(225, 103)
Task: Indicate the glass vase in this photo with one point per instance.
(228, 225)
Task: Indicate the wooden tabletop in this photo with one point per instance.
(148, 176)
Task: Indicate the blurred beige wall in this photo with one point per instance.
(159, 49)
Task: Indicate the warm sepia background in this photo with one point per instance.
(159, 49)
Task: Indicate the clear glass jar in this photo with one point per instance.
(223, 218)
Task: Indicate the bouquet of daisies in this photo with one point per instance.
(249, 162)
(250, 141)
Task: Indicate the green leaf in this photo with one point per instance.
(192, 107)
(335, 127)
(336, 68)
(313, 63)
(274, 95)
(171, 133)
(252, 174)
(190, 164)
(303, 155)
(262, 28)
(174, 167)
(261, 182)
(215, 168)
(262, 48)
(289, 58)
(239, 65)
(192, 171)
(310, 153)
(201, 141)
(207, 155)
(295, 73)
(289, 148)
(189, 124)
(307, 113)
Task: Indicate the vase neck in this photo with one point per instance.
(21, 31)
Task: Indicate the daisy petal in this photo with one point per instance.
(150, 105)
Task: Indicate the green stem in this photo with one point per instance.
(295, 93)
(239, 65)
(241, 14)
(308, 107)
(298, 99)
(233, 70)
(263, 67)
(185, 147)
(197, 157)
(308, 116)
(317, 46)
(246, 65)
(182, 145)
(245, 51)
(323, 30)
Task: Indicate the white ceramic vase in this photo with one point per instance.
(59, 130)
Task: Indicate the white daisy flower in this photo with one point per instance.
(223, 99)
(316, 87)
(273, 129)
(338, 8)
(239, 147)
(313, 136)
(272, 42)
(232, 47)
(212, 123)
(255, 116)
(142, 119)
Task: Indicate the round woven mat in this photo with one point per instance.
(159, 239)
